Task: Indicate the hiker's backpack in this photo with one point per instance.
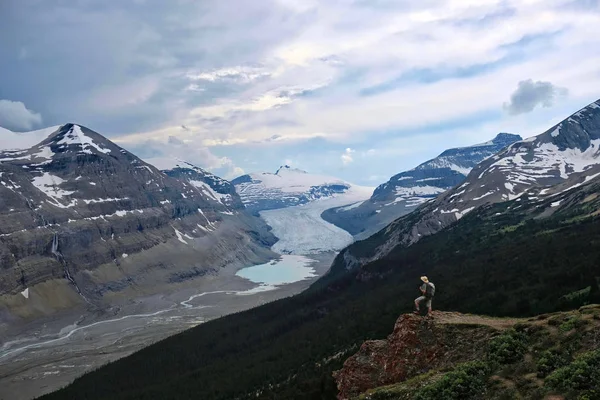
(430, 290)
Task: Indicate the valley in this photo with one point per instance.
(296, 276)
(184, 251)
(299, 200)
(52, 354)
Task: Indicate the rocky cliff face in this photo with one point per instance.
(416, 346)
(407, 190)
(79, 214)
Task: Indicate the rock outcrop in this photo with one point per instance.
(464, 356)
(416, 346)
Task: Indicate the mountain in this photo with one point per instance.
(85, 223)
(407, 190)
(209, 184)
(287, 187)
(564, 157)
(509, 259)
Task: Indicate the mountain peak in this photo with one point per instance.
(500, 141)
(503, 137)
(171, 163)
(77, 138)
(287, 168)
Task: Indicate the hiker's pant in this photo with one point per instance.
(422, 299)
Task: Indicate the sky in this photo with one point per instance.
(357, 89)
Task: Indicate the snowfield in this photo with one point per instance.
(301, 230)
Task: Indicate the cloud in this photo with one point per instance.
(15, 116)
(347, 156)
(530, 94)
(240, 73)
(163, 154)
(278, 74)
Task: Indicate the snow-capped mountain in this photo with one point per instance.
(407, 190)
(285, 188)
(541, 169)
(80, 215)
(206, 183)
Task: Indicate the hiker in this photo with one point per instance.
(427, 291)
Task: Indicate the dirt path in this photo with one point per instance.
(443, 317)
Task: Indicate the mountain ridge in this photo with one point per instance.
(86, 223)
(536, 167)
(407, 190)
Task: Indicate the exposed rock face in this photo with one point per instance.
(213, 186)
(416, 346)
(79, 208)
(407, 190)
(564, 157)
(285, 188)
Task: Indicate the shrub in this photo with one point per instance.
(589, 395)
(549, 361)
(467, 381)
(508, 348)
(572, 323)
(581, 376)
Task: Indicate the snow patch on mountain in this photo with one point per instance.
(50, 185)
(75, 136)
(205, 188)
(180, 236)
(524, 165)
(92, 201)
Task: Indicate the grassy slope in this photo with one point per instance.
(486, 264)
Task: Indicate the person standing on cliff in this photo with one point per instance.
(427, 293)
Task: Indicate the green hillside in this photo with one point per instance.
(551, 354)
